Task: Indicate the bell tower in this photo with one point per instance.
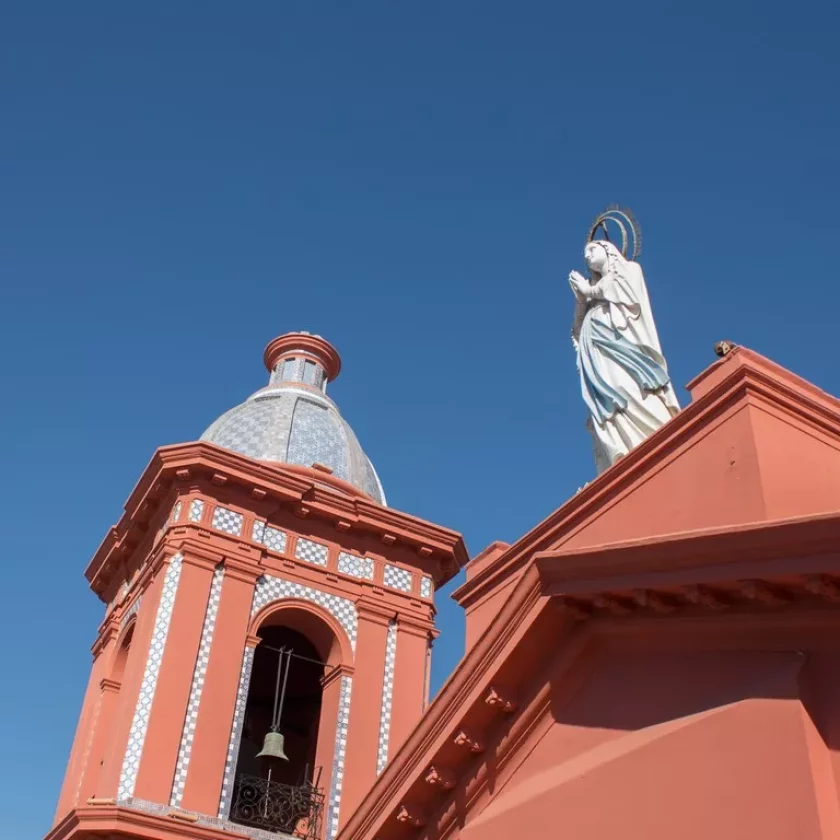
(266, 641)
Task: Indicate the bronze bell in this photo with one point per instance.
(273, 746)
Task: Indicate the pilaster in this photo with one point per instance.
(112, 759)
(177, 666)
(409, 694)
(366, 708)
(203, 782)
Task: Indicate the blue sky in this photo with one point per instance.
(179, 183)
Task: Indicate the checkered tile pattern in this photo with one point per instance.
(387, 697)
(132, 610)
(426, 590)
(188, 733)
(140, 722)
(275, 540)
(196, 510)
(227, 520)
(360, 567)
(236, 732)
(397, 578)
(257, 531)
(270, 589)
(311, 552)
(339, 753)
(176, 512)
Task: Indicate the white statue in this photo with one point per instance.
(623, 374)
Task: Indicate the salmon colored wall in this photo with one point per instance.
(724, 488)
(800, 465)
(695, 738)
(479, 615)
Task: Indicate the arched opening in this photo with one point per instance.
(121, 657)
(280, 786)
(282, 649)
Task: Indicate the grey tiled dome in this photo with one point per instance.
(293, 421)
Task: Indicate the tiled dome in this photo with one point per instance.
(293, 421)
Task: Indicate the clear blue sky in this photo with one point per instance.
(181, 182)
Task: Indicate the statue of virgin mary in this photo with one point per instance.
(623, 374)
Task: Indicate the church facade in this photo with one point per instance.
(659, 657)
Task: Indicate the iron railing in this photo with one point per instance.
(273, 806)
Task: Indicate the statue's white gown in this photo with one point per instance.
(624, 377)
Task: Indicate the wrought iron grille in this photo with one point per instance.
(277, 807)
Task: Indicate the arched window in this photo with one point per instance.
(283, 649)
(280, 786)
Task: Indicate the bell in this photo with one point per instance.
(273, 746)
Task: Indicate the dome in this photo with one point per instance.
(293, 421)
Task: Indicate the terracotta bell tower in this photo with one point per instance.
(257, 583)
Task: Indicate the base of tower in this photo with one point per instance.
(150, 822)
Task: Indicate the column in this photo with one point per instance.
(366, 704)
(112, 761)
(215, 717)
(177, 667)
(413, 636)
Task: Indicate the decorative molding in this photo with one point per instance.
(496, 700)
(409, 815)
(191, 718)
(616, 606)
(823, 586)
(464, 739)
(757, 590)
(140, 722)
(647, 599)
(440, 777)
(702, 596)
(387, 697)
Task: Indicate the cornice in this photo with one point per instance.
(183, 465)
(723, 554)
(415, 625)
(753, 380)
(375, 611)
